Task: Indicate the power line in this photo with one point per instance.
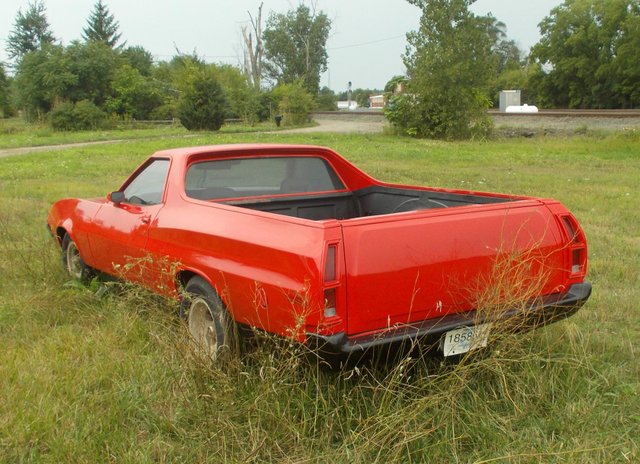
(362, 44)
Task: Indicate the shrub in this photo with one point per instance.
(83, 115)
(164, 112)
(294, 103)
(61, 116)
(327, 100)
(203, 104)
(88, 115)
(399, 111)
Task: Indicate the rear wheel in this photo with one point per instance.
(212, 330)
(72, 260)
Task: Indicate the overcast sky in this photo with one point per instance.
(365, 46)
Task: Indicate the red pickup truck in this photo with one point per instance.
(298, 242)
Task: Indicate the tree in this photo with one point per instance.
(31, 31)
(450, 63)
(94, 64)
(627, 63)
(295, 47)
(42, 80)
(202, 107)
(589, 54)
(242, 97)
(392, 85)
(253, 53)
(327, 100)
(360, 96)
(5, 106)
(81, 71)
(507, 52)
(134, 95)
(102, 26)
(511, 72)
(140, 59)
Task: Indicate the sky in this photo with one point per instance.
(365, 46)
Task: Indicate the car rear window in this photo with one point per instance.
(242, 177)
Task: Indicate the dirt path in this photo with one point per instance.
(358, 126)
(4, 152)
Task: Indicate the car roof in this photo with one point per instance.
(254, 148)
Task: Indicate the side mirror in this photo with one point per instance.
(116, 197)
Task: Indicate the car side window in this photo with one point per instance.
(148, 186)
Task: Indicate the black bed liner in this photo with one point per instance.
(370, 201)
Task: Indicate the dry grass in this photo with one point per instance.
(89, 376)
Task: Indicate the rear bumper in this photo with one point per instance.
(543, 311)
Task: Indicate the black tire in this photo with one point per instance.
(73, 263)
(213, 332)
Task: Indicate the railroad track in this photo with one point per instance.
(575, 113)
(495, 112)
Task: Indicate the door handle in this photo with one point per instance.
(146, 219)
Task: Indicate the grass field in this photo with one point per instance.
(15, 133)
(86, 377)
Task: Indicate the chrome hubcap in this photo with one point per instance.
(202, 328)
(74, 261)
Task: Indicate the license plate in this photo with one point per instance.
(465, 339)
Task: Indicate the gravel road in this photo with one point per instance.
(347, 123)
(506, 125)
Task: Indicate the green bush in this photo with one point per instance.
(203, 104)
(134, 95)
(61, 116)
(399, 111)
(83, 115)
(327, 100)
(164, 112)
(266, 106)
(294, 103)
(88, 115)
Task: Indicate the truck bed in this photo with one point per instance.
(370, 201)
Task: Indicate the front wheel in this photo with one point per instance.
(72, 260)
(212, 330)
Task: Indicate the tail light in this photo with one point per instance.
(577, 246)
(330, 269)
(331, 282)
(330, 302)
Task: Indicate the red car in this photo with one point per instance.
(296, 241)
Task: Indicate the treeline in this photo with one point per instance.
(588, 57)
(456, 62)
(99, 79)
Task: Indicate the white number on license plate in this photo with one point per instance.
(465, 339)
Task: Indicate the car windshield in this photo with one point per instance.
(242, 177)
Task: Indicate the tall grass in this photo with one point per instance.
(95, 376)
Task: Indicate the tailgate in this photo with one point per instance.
(408, 267)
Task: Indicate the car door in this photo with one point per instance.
(122, 226)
